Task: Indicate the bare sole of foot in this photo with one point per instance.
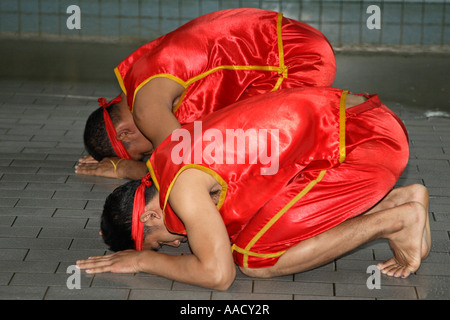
(410, 244)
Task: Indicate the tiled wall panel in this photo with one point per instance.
(403, 22)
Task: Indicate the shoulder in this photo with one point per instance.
(193, 181)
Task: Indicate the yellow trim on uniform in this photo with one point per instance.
(119, 78)
(279, 81)
(179, 101)
(152, 174)
(246, 251)
(231, 67)
(281, 69)
(342, 152)
(280, 40)
(209, 171)
(215, 175)
(255, 254)
(160, 75)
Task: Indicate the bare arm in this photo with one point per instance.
(125, 168)
(211, 264)
(152, 110)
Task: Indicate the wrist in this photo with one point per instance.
(144, 261)
(116, 168)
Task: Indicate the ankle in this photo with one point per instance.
(405, 215)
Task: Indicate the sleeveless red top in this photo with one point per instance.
(225, 56)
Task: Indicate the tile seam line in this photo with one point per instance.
(69, 96)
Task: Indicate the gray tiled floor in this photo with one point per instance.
(49, 216)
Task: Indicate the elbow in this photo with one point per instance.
(222, 279)
(138, 114)
(225, 282)
(144, 123)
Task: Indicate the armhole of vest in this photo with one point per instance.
(152, 174)
(120, 80)
(180, 101)
(209, 171)
(160, 75)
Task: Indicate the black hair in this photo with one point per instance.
(118, 213)
(96, 140)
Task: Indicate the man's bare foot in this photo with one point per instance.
(410, 243)
(426, 239)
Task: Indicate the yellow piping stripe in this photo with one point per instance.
(180, 101)
(281, 69)
(209, 171)
(276, 217)
(187, 83)
(119, 78)
(278, 84)
(255, 254)
(342, 152)
(161, 75)
(152, 173)
(230, 67)
(280, 41)
(215, 175)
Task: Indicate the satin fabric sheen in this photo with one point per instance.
(235, 37)
(308, 122)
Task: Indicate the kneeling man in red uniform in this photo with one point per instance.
(278, 184)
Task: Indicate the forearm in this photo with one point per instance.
(131, 169)
(184, 268)
(112, 168)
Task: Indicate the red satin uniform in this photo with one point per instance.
(334, 164)
(229, 55)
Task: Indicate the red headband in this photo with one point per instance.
(137, 227)
(117, 145)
